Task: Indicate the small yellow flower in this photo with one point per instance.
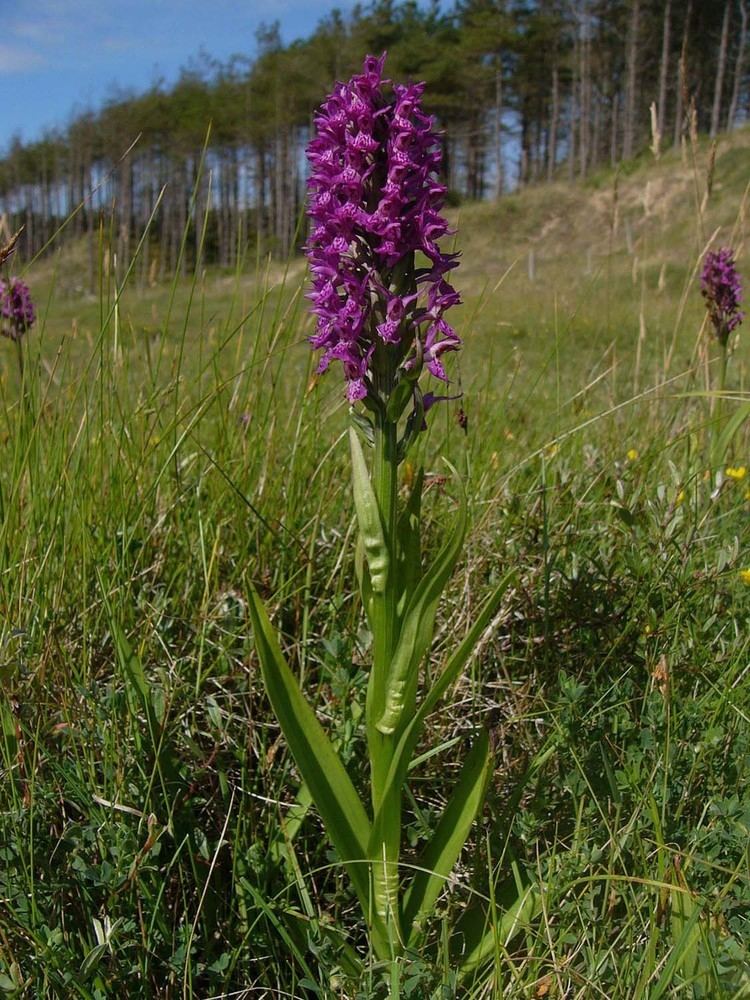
(679, 498)
(736, 472)
(632, 454)
(551, 450)
(745, 575)
(747, 494)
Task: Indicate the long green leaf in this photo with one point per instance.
(483, 935)
(391, 798)
(692, 945)
(458, 660)
(450, 673)
(686, 937)
(417, 628)
(362, 572)
(331, 788)
(727, 435)
(444, 847)
(368, 517)
(382, 826)
(409, 544)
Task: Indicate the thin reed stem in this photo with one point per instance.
(718, 423)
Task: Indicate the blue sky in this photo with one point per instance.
(56, 55)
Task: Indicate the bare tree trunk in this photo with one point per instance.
(481, 163)
(75, 154)
(260, 192)
(46, 232)
(628, 141)
(738, 68)
(448, 161)
(142, 215)
(539, 154)
(294, 200)
(280, 180)
(682, 79)
(90, 217)
(596, 133)
(123, 212)
(235, 206)
(226, 210)
(182, 222)
(221, 209)
(500, 172)
(552, 140)
(575, 106)
(614, 139)
(585, 89)
(474, 155)
(720, 70)
(663, 67)
(165, 212)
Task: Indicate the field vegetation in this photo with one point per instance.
(165, 445)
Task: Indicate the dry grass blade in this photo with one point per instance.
(10, 246)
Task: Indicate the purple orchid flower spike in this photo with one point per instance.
(722, 290)
(375, 204)
(17, 312)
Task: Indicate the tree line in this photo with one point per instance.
(524, 91)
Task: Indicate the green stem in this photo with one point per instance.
(716, 459)
(384, 484)
(385, 636)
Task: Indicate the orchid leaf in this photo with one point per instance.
(482, 933)
(686, 951)
(351, 963)
(729, 432)
(459, 658)
(331, 788)
(409, 543)
(414, 425)
(363, 425)
(390, 803)
(418, 624)
(362, 573)
(368, 516)
(444, 847)
(398, 400)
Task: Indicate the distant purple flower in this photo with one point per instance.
(16, 308)
(722, 290)
(375, 202)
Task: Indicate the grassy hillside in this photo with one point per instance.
(169, 445)
(571, 277)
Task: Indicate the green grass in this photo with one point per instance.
(169, 445)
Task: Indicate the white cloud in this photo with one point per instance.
(49, 24)
(37, 32)
(115, 43)
(19, 59)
